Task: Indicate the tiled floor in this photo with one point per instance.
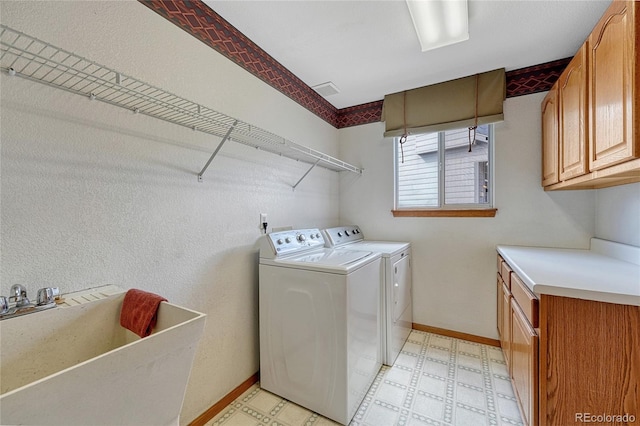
(436, 380)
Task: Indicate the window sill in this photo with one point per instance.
(445, 213)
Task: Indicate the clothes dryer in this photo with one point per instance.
(395, 287)
(319, 322)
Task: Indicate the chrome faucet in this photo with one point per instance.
(22, 305)
(4, 305)
(18, 293)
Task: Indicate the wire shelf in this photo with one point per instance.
(28, 57)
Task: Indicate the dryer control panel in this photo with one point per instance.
(343, 235)
(294, 241)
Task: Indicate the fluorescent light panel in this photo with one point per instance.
(439, 23)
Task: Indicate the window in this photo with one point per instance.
(436, 171)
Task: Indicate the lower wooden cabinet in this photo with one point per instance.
(504, 306)
(590, 362)
(583, 361)
(505, 321)
(519, 339)
(524, 365)
(500, 294)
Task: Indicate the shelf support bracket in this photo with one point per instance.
(305, 175)
(224, 139)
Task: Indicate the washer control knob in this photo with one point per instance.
(279, 241)
(346, 233)
(318, 235)
(288, 239)
(339, 234)
(312, 236)
(302, 238)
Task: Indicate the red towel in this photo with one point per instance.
(140, 311)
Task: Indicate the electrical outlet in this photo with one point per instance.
(263, 222)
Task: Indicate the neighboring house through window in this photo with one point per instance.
(437, 171)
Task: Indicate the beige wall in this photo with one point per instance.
(454, 258)
(618, 214)
(95, 195)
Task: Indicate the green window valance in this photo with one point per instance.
(454, 104)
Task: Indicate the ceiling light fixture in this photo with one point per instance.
(439, 23)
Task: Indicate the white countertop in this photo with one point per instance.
(607, 272)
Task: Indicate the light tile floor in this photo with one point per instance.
(435, 381)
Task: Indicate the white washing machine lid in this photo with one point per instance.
(386, 248)
(326, 260)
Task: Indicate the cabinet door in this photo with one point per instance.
(550, 138)
(590, 360)
(572, 117)
(524, 365)
(500, 308)
(505, 339)
(612, 61)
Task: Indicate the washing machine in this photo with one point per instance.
(319, 322)
(395, 291)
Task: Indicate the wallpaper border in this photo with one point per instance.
(199, 20)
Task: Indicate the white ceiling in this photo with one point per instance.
(369, 48)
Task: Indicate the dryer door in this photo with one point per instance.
(401, 287)
(399, 314)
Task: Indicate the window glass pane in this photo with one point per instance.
(466, 173)
(417, 176)
(429, 163)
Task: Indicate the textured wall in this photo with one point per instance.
(454, 258)
(95, 195)
(618, 214)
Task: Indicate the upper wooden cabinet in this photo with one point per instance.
(595, 139)
(613, 64)
(550, 138)
(572, 118)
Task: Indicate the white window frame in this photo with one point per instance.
(441, 181)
